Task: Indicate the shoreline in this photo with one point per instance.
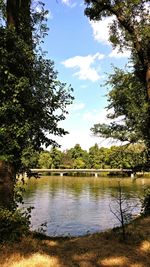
(99, 249)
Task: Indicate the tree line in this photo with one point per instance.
(132, 156)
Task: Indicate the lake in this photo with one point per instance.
(76, 206)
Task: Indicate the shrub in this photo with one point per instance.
(14, 224)
(146, 203)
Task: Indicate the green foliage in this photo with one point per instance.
(129, 96)
(79, 163)
(97, 157)
(32, 99)
(56, 156)
(129, 115)
(127, 156)
(129, 28)
(132, 157)
(14, 224)
(66, 160)
(79, 156)
(29, 158)
(45, 160)
(76, 151)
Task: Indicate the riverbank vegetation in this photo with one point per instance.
(129, 157)
(101, 249)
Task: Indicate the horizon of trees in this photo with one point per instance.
(132, 157)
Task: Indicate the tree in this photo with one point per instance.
(122, 209)
(146, 203)
(136, 155)
(76, 151)
(45, 160)
(128, 109)
(78, 163)
(66, 160)
(29, 158)
(56, 156)
(95, 157)
(79, 156)
(32, 99)
(130, 30)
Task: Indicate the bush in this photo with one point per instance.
(146, 203)
(14, 224)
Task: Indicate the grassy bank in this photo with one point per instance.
(104, 249)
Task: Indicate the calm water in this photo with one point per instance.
(78, 205)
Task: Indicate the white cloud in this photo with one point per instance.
(69, 3)
(101, 34)
(83, 86)
(79, 130)
(84, 66)
(84, 138)
(101, 30)
(117, 54)
(95, 116)
(77, 106)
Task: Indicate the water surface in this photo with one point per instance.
(78, 205)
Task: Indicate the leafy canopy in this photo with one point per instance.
(32, 99)
(127, 109)
(129, 98)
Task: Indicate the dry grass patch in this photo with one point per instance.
(97, 250)
(36, 260)
(114, 261)
(145, 246)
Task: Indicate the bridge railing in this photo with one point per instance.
(36, 172)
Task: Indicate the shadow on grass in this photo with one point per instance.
(103, 249)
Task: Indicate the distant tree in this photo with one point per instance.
(78, 155)
(128, 156)
(56, 156)
(66, 160)
(79, 163)
(29, 158)
(97, 157)
(45, 160)
(137, 157)
(76, 151)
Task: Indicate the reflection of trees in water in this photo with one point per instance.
(75, 204)
(95, 187)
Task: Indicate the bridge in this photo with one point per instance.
(95, 172)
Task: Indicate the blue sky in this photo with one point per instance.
(83, 56)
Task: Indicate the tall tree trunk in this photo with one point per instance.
(7, 181)
(12, 10)
(148, 81)
(19, 18)
(20, 22)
